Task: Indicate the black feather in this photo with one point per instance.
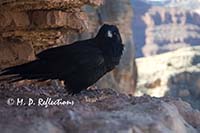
(79, 64)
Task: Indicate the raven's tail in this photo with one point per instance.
(31, 70)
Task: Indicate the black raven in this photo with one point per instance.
(79, 64)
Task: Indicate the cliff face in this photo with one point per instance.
(28, 27)
(165, 28)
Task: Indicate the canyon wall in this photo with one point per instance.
(164, 28)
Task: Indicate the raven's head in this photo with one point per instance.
(109, 40)
(109, 32)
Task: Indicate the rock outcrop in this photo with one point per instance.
(165, 27)
(102, 110)
(28, 27)
(34, 25)
(174, 74)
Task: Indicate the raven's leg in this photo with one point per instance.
(71, 89)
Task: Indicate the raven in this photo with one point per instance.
(79, 64)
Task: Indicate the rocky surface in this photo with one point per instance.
(174, 74)
(30, 26)
(165, 27)
(101, 110)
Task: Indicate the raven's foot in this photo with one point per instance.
(93, 87)
(58, 86)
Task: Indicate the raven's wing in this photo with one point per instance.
(56, 63)
(53, 53)
(65, 50)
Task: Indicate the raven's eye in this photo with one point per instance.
(109, 34)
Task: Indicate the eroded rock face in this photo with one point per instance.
(102, 110)
(174, 74)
